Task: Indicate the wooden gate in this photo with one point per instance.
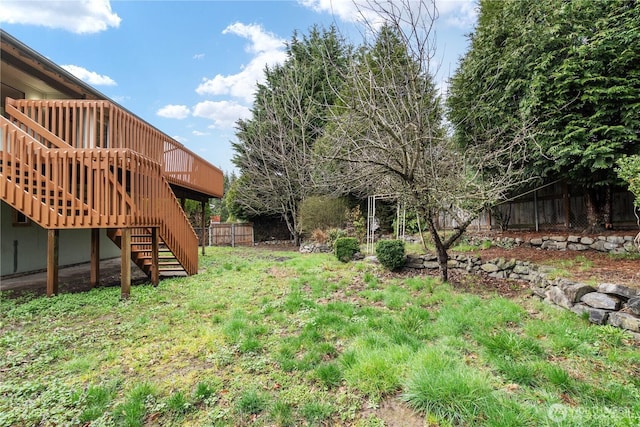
(230, 234)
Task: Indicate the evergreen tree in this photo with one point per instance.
(274, 151)
(566, 70)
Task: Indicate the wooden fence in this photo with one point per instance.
(230, 234)
(555, 206)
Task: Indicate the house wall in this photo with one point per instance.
(24, 248)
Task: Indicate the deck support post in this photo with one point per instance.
(155, 262)
(202, 226)
(95, 257)
(53, 237)
(125, 264)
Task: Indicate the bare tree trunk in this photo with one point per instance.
(598, 206)
(291, 225)
(607, 209)
(637, 238)
(441, 250)
(442, 246)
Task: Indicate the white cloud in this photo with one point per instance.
(268, 50)
(121, 99)
(261, 41)
(224, 114)
(198, 56)
(346, 10)
(180, 139)
(90, 77)
(174, 112)
(459, 13)
(82, 17)
(198, 133)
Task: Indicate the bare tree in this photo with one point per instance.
(274, 148)
(273, 154)
(387, 133)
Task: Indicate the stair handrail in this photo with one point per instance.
(80, 186)
(100, 123)
(149, 201)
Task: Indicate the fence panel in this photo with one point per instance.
(230, 234)
(550, 208)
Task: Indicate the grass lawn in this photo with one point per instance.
(279, 338)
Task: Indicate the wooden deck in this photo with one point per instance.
(69, 164)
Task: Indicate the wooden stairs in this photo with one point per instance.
(142, 252)
(76, 164)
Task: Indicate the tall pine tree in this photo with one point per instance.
(567, 70)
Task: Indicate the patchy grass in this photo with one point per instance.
(280, 338)
(564, 267)
(579, 263)
(625, 256)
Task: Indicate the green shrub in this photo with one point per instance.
(346, 248)
(334, 234)
(390, 253)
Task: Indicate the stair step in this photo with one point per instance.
(172, 270)
(160, 258)
(141, 252)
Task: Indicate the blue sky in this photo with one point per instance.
(190, 67)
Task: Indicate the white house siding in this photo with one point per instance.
(24, 248)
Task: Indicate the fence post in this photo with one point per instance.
(535, 209)
(567, 205)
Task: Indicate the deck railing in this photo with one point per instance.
(90, 188)
(101, 124)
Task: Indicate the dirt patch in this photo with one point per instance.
(396, 413)
(71, 279)
(582, 266)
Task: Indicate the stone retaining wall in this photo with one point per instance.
(610, 244)
(312, 247)
(606, 303)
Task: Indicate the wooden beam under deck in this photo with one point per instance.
(53, 238)
(95, 257)
(202, 225)
(125, 266)
(155, 261)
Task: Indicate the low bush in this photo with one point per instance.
(334, 234)
(390, 253)
(346, 248)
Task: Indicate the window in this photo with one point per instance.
(8, 91)
(20, 219)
